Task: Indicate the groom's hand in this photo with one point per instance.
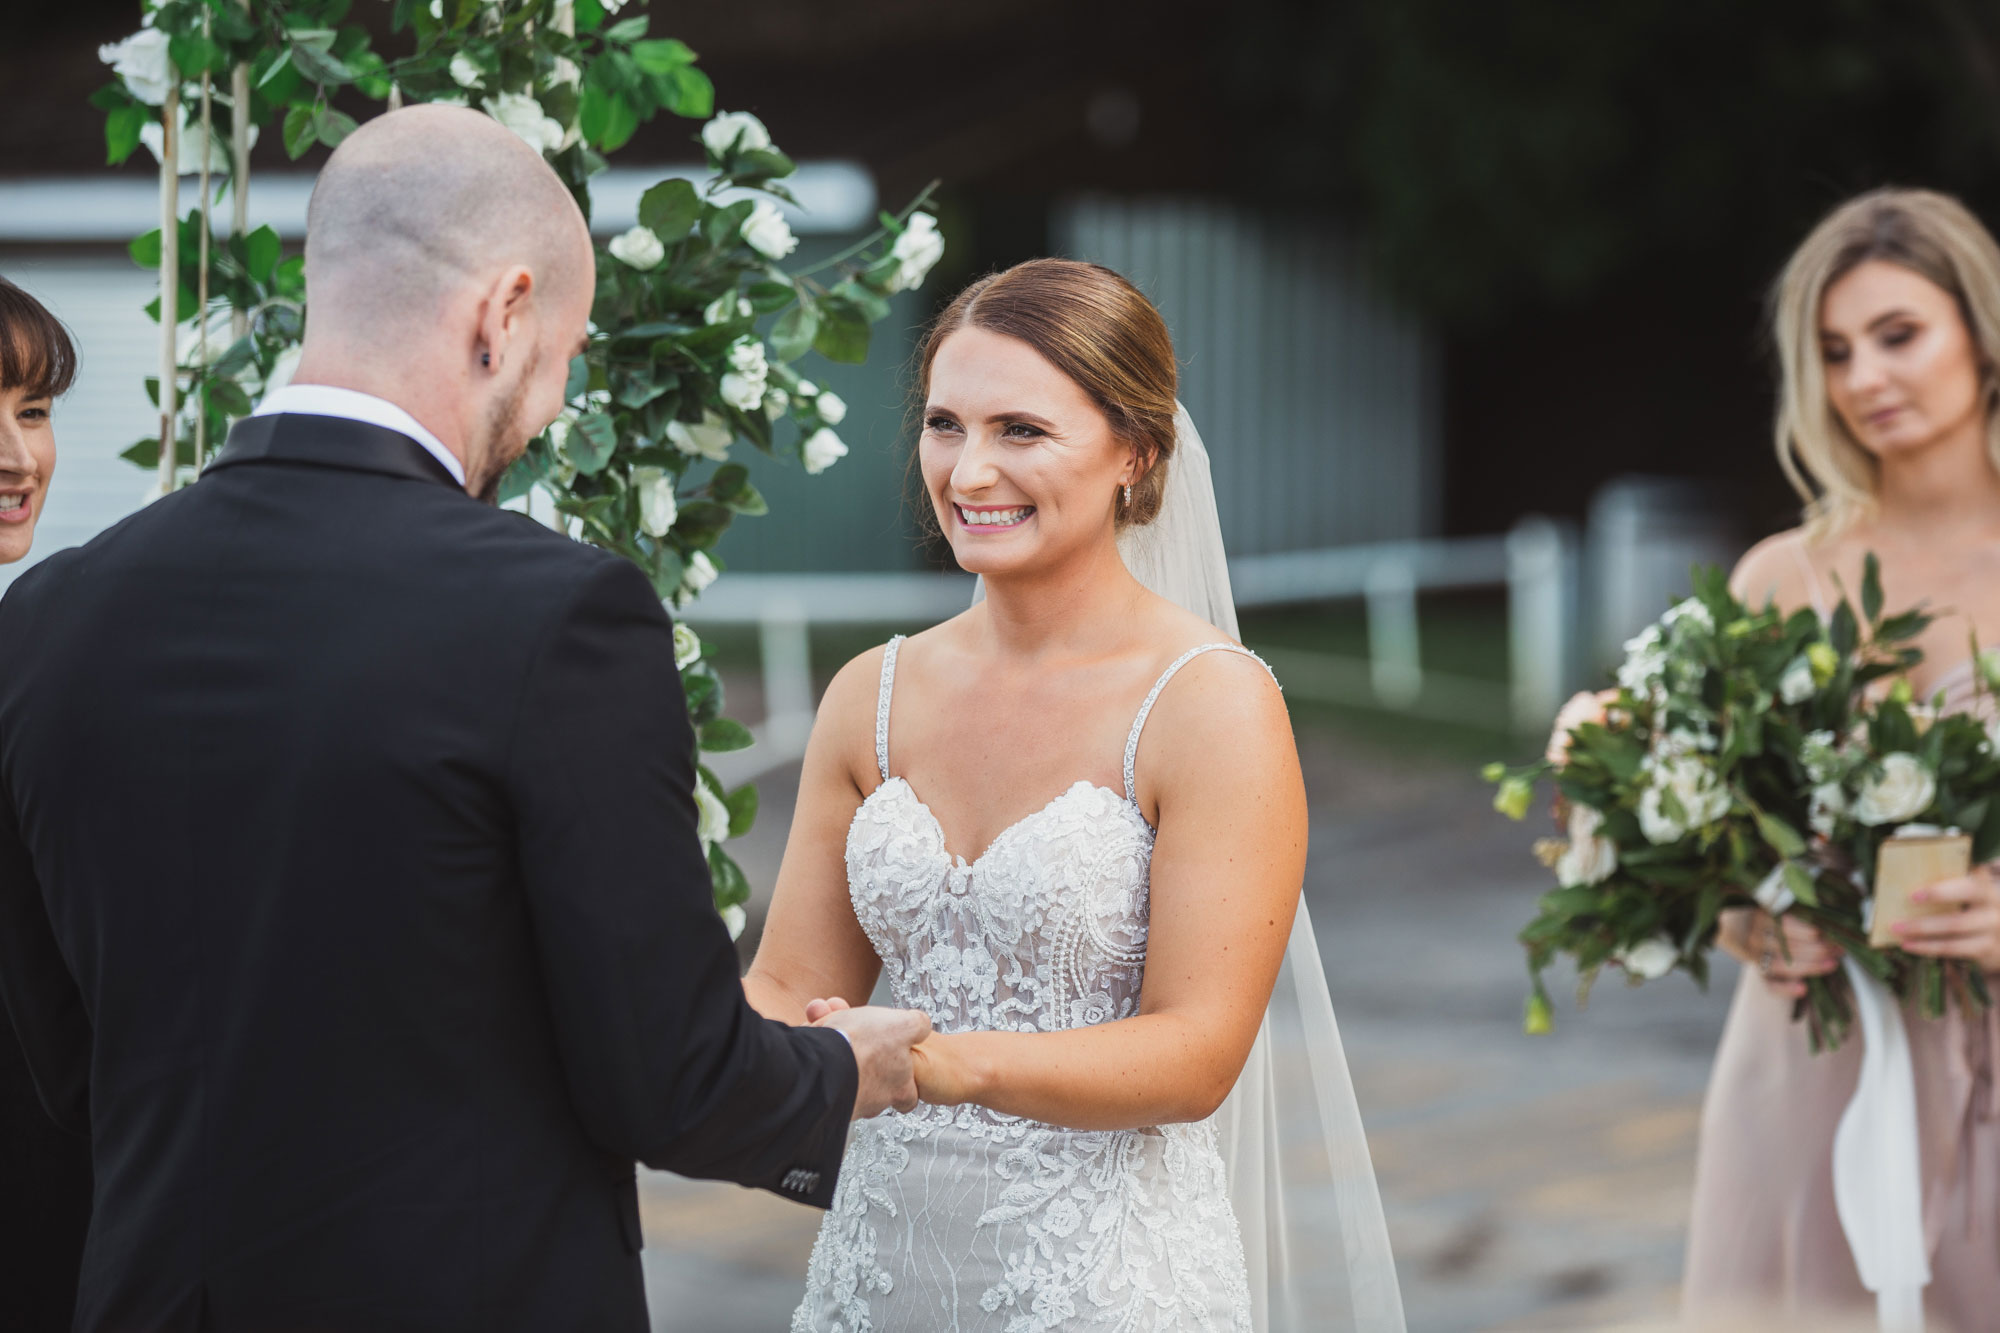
(883, 1040)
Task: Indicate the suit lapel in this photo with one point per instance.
(358, 446)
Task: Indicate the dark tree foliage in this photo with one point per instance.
(1540, 149)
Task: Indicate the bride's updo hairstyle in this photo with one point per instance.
(1931, 235)
(1096, 328)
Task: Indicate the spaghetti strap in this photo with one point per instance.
(1812, 577)
(1145, 709)
(882, 705)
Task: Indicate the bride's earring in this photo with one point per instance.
(1128, 495)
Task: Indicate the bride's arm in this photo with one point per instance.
(1219, 759)
(812, 945)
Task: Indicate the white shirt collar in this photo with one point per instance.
(323, 400)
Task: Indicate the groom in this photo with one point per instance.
(350, 893)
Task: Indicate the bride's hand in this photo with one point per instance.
(1971, 933)
(819, 1009)
(942, 1076)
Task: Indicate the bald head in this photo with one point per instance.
(423, 202)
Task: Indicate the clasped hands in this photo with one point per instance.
(902, 1061)
(1789, 951)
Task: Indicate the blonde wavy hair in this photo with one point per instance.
(1932, 235)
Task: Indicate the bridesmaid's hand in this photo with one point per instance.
(1787, 950)
(1971, 933)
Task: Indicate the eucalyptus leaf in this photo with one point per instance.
(592, 442)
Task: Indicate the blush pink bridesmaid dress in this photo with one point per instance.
(1764, 1235)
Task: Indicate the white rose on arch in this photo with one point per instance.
(190, 144)
(687, 647)
(524, 116)
(1903, 790)
(709, 438)
(712, 815)
(743, 384)
(638, 248)
(657, 506)
(142, 63)
(767, 232)
(831, 407)
(733, 130)
(700, 573)
(822, 450)
(916, 250)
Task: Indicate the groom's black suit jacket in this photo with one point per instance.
(351, 900)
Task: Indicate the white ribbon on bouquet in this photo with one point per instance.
(1878, 1186)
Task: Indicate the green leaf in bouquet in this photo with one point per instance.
(1514, 797)
(1903, 626)
(1779, 836)
(1871, 588)
(1892, 730)
(660, 55)
(1986, 837)
(1842, 632)
(1800, 881)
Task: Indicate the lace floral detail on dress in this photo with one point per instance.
(961, 1218)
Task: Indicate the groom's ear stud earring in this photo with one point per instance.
(486, 358)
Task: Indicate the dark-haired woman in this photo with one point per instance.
(44, 1171)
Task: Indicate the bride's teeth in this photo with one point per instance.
(12, 502)
(994, 517)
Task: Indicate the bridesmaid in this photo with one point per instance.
(1887, 322)
(44, 1171)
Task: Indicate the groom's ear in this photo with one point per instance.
(505, 325)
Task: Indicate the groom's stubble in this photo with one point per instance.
(503, 436)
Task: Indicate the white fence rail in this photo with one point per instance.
(1536, 564)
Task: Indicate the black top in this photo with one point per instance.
(350, 897)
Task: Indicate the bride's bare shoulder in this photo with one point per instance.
(1775, 569)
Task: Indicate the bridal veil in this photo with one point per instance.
(1300, 1179)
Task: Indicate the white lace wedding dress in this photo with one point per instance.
(962, 1220)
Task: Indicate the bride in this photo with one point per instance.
(1076, 786)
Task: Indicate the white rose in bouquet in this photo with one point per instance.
(524, 115)
(1588, 859)
(776, 402)
(1689, 608)
(1797, 684)
(822, 450)
(1772, 894)
(916, 250)
(767, 232)
(1902, 790)
(638, 248)
(1827, 808)
(657, 507)
(141, 61)
(1645, 661)
(738, 130)
(1701, 798)
(1649, 960)
(832, 408)
(687, 647)
(712, 815)
(709, 438)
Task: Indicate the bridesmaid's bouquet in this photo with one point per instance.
(1744, 760)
